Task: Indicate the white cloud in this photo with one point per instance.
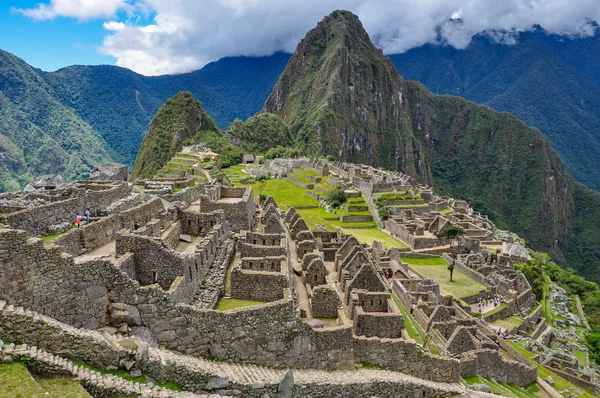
(186, 34)
(79, 9)
(113, 26)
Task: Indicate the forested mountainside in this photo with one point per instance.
(177, 121)
(551, 82)
(38, 134)
(545, 80)
(342, 97)
(70, 120)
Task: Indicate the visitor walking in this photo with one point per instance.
(87, 216)
(136, 225)
(78, 221)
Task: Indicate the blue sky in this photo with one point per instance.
(50, 44)
(156, 37)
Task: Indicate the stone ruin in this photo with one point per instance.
(139, 288)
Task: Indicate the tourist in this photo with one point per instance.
(136, 225)
(87, 216)
(78, 220)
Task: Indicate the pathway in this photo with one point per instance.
(105, 252)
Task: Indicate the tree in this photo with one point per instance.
(262, 184)
(453, 234)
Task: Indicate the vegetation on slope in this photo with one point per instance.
(119, 103)
(177, 121)
(341, 96)
(260, 133)
(541, 79)
(39, 135)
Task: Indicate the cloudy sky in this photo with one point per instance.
(156, 37)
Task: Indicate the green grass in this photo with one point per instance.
(58, 386)
(509, 323)
(226, 304)
(371, 234)
(169, 385)
(581, 357)
(425, 261)
(17, 382)
(122, 373)
(286, 194)
(446, 210)
(560, 384)
(460, 286)
(412, 327)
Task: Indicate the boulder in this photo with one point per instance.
(481, 387)
(185, 238)
(145, 334)
(48, 181)
(286, 385)
(110, 172)
(124, 313)
(549, 380)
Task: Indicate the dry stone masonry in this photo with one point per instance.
(143, 286)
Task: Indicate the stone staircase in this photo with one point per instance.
(198, 375)
(97, 384)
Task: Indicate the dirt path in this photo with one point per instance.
(106, 252)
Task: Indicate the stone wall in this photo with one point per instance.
(249, 250)
(34, 329)
(325, 302)
(198, 224)
(405, 356)
(153, 262)
(257, 285)
(37, 220)
(490, 363)
(377, 324)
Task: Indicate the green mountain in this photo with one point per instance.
(541, 80)
(342, 97)
(260, 133)
(120, 104)
(177, 122)
(38, 134)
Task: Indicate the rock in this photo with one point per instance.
(109, 172)
(124, 313)
(216, 383)
(315, 323)
(549, 380)
(185, 238)
(135, 373)
(48, 181)
(145, 334)
(480, 387)
(286, 385)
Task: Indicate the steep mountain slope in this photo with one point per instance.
(341, 96)
(532, 80)
(39, 135)
(177, 121)
(120, 103)
(260, 132)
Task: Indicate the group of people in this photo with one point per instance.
(79, 218)
(483, 302)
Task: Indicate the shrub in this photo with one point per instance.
(336, 197)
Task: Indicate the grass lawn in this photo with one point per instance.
(371, 234)
(460, 286)
(16, 382)
(508, 323)
(425, 261)
(226, 304)
(506, 389)
(286, 194)
(412, 327)
(581, 357)
(446, 210)
(58, 386)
